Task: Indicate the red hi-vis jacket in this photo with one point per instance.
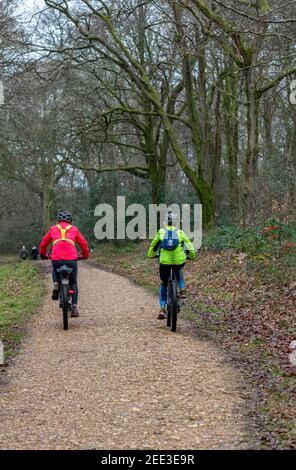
(63, 237)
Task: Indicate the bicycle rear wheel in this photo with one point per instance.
(64, 303)
(173, 304)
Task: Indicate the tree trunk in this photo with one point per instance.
(47, 183)
(291, 163)
(217, 150)
(230, 105)
(204, 115)
(197, 178)
(47, 206)
(250, 164)
(267, 119)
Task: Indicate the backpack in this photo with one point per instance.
(170, 240)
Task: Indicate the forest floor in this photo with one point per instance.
(246, 308)
(118, 379)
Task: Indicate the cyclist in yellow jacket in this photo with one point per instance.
(170, 243)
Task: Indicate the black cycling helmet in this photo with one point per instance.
(64, 216)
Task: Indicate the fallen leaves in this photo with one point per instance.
(251, 316)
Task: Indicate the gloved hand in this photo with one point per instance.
(80, 257)
(190, 255)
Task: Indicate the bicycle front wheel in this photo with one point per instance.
(168, 315)
(174, 319)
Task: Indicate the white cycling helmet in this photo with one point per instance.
(170, 218)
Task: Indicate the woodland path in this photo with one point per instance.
(118, 379)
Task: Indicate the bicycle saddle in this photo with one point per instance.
(64, 269)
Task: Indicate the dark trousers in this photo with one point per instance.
(165, 269)
(72, 278)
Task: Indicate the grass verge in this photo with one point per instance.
(21, 292)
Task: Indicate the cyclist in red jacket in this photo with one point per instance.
(63, 237)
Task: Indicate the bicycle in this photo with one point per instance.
(65, 293)
(173, 299)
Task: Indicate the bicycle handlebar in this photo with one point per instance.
(48, 257)
(186, 253)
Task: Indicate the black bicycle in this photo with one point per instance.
(173, 299)
(65, 293)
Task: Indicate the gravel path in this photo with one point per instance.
(118, 379)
